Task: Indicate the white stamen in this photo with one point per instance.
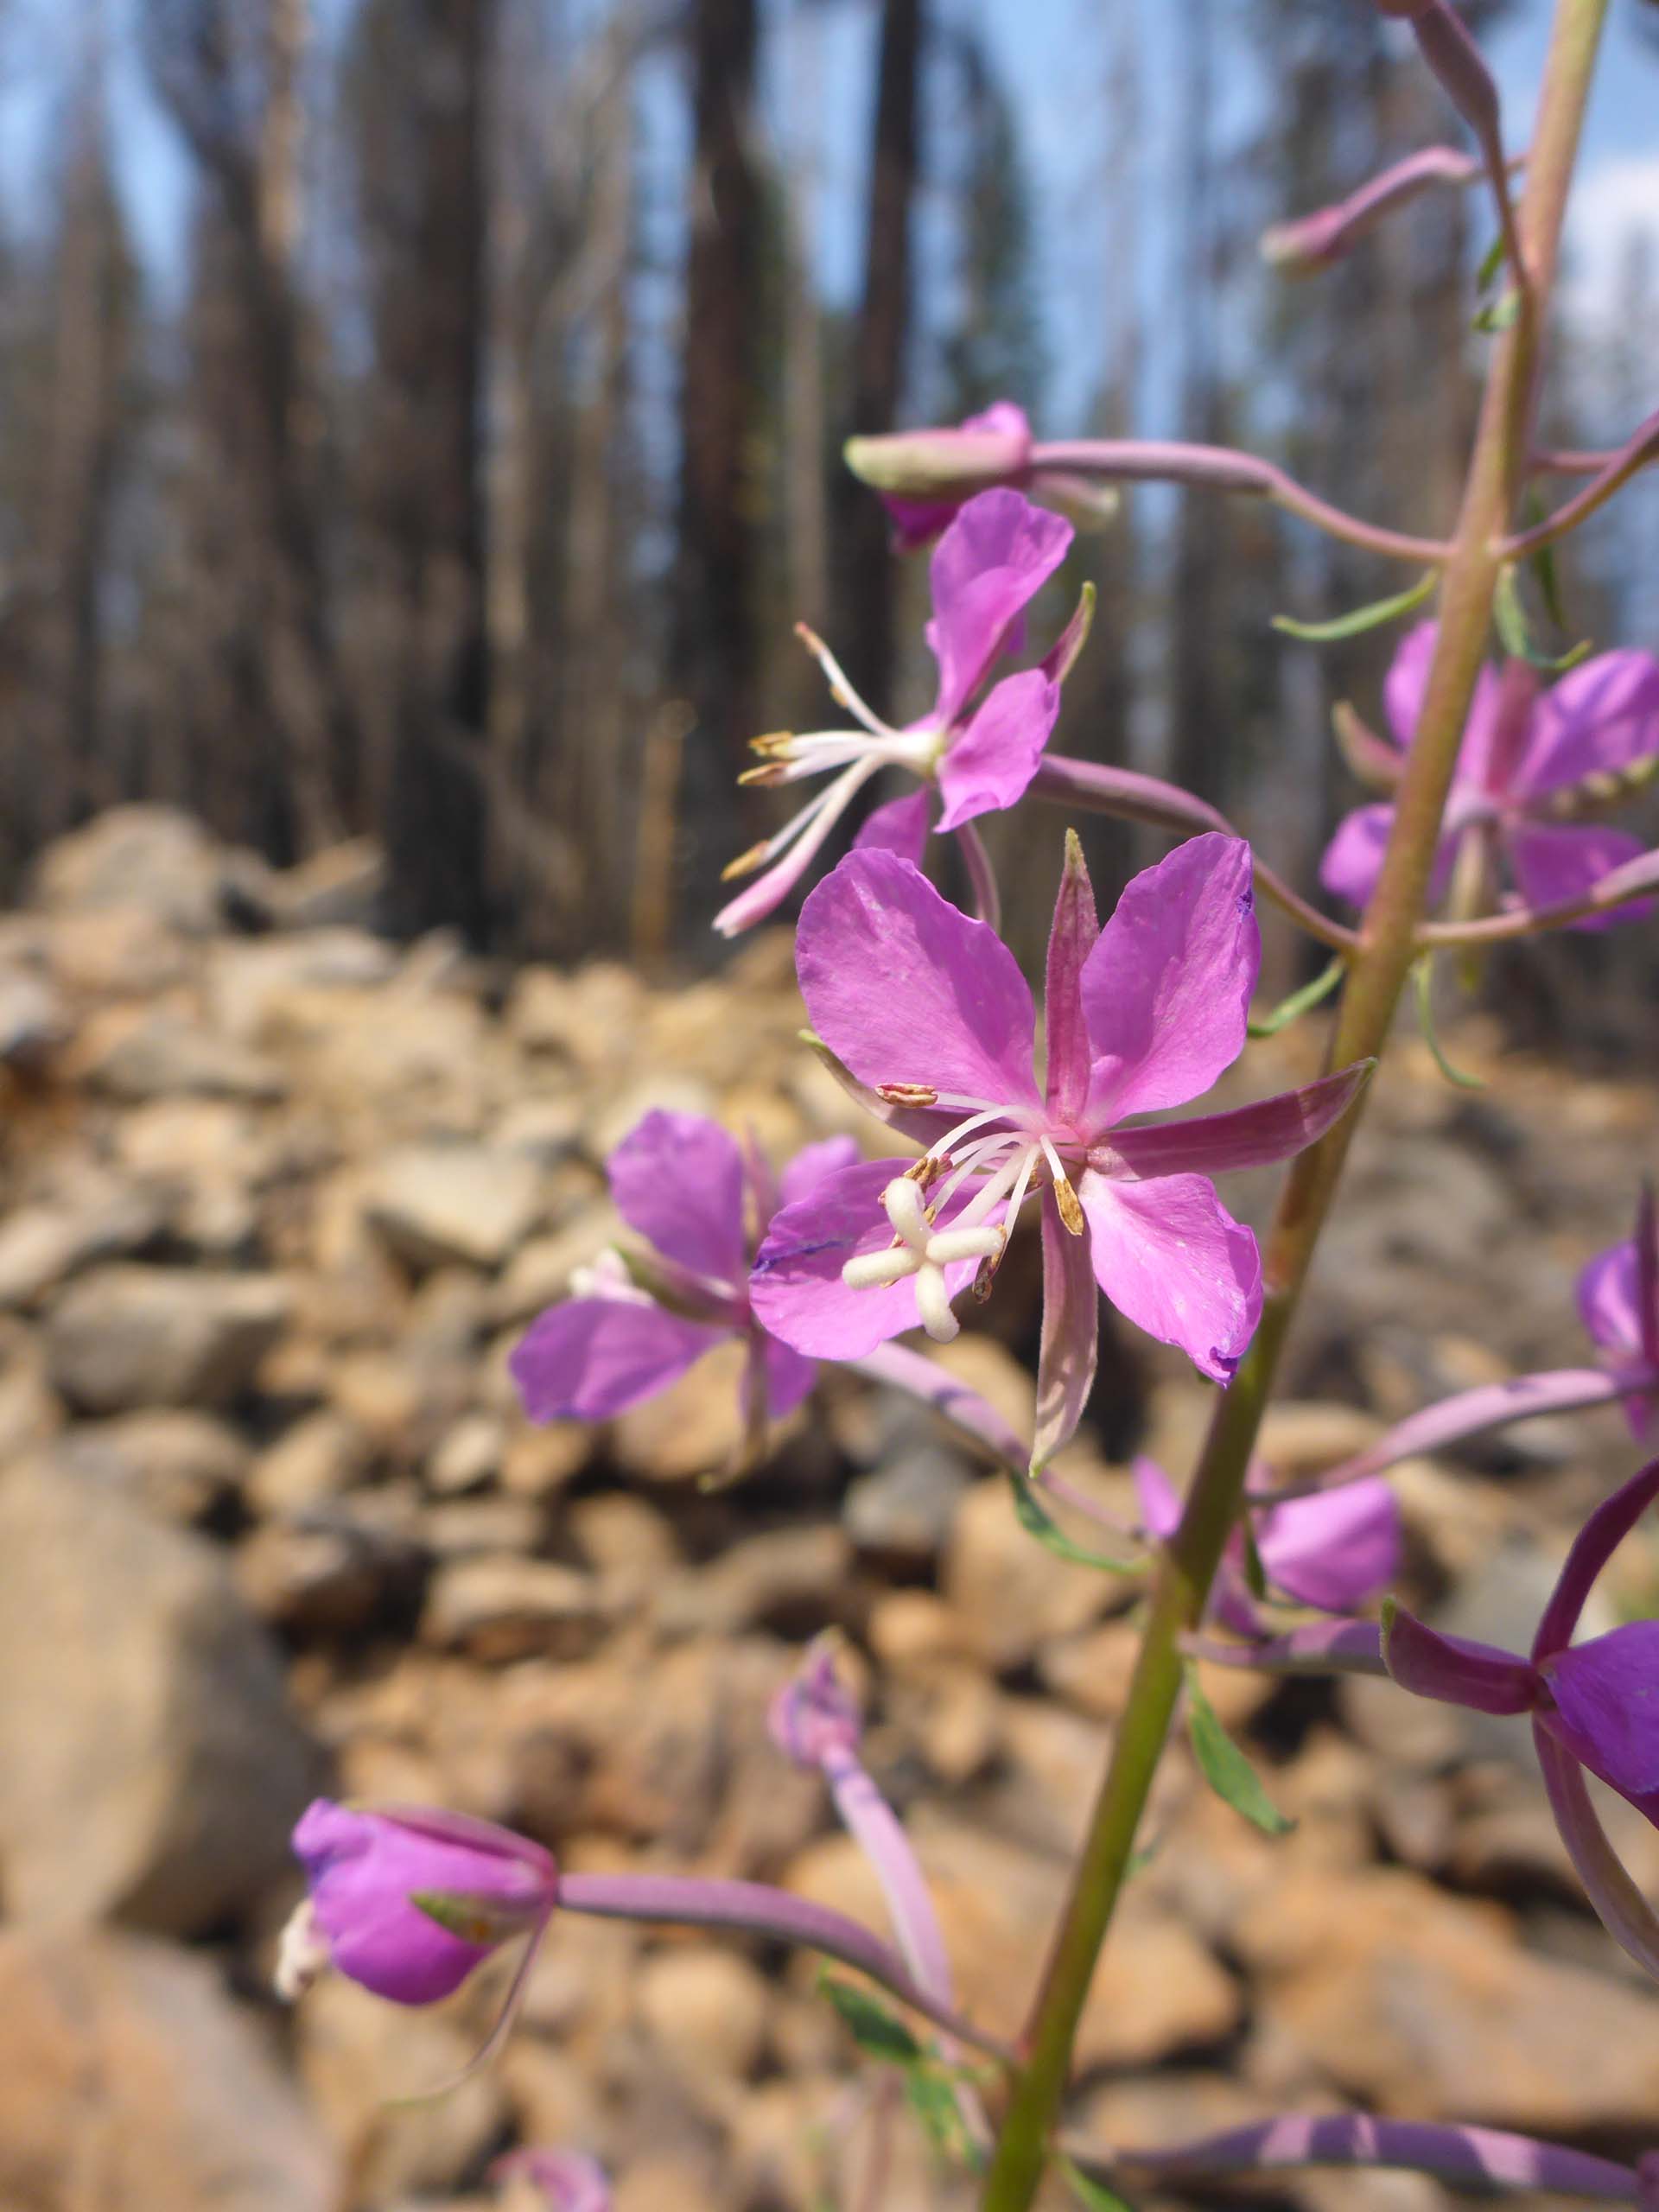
(302, 1953)
(840, 688)
(933, 1304)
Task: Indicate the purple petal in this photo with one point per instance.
(364, 1869)
(795, 1289)
(900, 826)
(1600, 717)
(570, 2181)
(1072, 938)
(1167, 991)
(1160, 1510)
(815, 1164)
(1353, 859)
(991, 763)
(1594, 1545)
(880, 1834)
(1334, 1550)
(917, 523)
(1617, 1903)
(1406, 679)
(905, 988)
(1453, 1668)
(1071, 1337)
(814, 1713)
(1553, 865)
(789, 1375)
(1608, 1299)
(1606, 1697)
(592, 1357)
(993, 560)
(1250, 1136)
(1171, 1257)
(677, 1180)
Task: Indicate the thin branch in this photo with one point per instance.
(1615, 471)
(1219, 468)
(1457, 61)
(1637, 878)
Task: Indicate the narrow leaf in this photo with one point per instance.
(1224, 1766)
(1499, 313)
(1491, 263)
(1362, 618)
(1035, 1520)
(933, 2100)
(1511, 617)
(878, 2033)
(1542, 563)
(1092, 2193)
(1422, 976)
(1300, 1001)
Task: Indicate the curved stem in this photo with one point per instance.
(1128, 796)
(1379, 970)
(1485, 2157)
(1613, 471)
(1635, 880)
(1219, 468)
(756, 1909)
(988, 899)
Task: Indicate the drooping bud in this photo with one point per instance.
(814, 1715)
(569, 2180)
(945, 465)
(407, 1902)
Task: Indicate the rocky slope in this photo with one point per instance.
(280, 1195)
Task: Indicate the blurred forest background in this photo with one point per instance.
(454, 469)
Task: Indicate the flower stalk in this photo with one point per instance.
(1389, 943)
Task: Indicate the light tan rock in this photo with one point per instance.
(130, 2081)
(440, 1202)
(705, 2007)
(501, 1608)
(1008, 1593)
(150, 1767)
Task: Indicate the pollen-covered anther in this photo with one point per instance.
(1071, 1210)
(769, 772)
(774, 746)
(907, 1094)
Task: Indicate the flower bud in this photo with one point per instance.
(407, 1902)
(568, 2181)
(814, 1716)
(945, 466)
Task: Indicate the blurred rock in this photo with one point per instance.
(906, 1508)
(177, 1463)
(130, 1335)
(129, 2081)
(150, 1769)
(1008, 1593)
(498, 1609)
(40, 1246)
(438, 1203)
(150, 857)
(133, 1055)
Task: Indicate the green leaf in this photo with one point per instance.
(1092, 2193)
(1292, 1008)
(1499, 313)
(1511, 617)
(1034, 1518)
(933, 2101)
(1362, 618)
(878, 2033)
(1255, 1575)
(1491, 263)
(1542, 563)
(1422, 976)
(1224, 1766)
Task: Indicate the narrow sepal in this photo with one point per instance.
(1453, 1668)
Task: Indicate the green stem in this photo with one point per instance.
(1377, 976)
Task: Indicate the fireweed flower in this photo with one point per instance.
(1331, 1552)
(569, 2180)
(700, 1202)
(1594, 1706)
(979, 747)
(408, 1901)
(1618, 1301)
(1531, 764)
(930, 1017)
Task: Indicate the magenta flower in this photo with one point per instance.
(980, 748)
(409, 1901)
(929, 1014)
(634, 1326)
(569, 2180)
(1331, 1551)
(1594, 1706)
(1531, 763)
(1618, 1300)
